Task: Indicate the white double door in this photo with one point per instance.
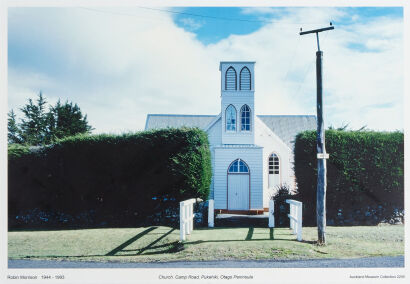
(238, 191)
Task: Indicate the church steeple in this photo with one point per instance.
(237, 102)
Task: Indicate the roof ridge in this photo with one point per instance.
(162, 114)
(215, 115)
(287, 115)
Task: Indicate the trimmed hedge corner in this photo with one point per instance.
(365, 183)
(116, 179)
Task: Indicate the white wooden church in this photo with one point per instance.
(251, 154)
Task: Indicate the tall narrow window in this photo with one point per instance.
(245, 79)
(230, 118)
(245, 118)
(274, 177)
(230, 79)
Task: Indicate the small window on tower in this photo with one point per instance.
(245, 118)
(245, 79)
(230, 79)
(230, 118)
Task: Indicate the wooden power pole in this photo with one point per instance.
(321, 150)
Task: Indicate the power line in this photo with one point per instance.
(304, 77)
(204, 16)
(195, 15)
(308, 70)
(110, 12)
(292, 59)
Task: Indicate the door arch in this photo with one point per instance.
(238, 186)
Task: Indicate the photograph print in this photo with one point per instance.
(196, 137)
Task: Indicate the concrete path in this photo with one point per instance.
(387, 261)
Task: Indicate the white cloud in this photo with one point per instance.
(27, 85)
(191, 24)
(119, 68)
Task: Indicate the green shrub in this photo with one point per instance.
(365, 183)
(281, 209)
(16, 151)
(127, 176)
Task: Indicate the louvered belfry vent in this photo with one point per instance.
(230, 79)
(245, 79)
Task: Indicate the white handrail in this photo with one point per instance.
(186, 218)
(271, 214)
(211, 213)
(295, 217)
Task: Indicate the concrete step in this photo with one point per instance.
(232, 220)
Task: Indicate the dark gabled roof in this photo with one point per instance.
(284, 126)
(287, 126)
(157, 121)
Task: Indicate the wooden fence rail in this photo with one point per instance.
(186, 218)
(271, 214)
(295, 217)
(211, 213)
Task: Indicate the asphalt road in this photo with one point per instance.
(386, 261)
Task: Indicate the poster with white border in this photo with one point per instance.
(126, 62)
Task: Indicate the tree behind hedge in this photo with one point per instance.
(126, 175)
(41, 125)
(13, 131)
(365, 183)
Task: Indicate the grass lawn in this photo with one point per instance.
(161, 244)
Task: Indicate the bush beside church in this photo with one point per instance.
(365, 182)
(112, 180)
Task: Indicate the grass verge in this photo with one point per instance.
(161, 244)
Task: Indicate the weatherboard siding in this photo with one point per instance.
(223, 67)
(268, 134)
(214, 138)
(223, 157)
(238, 136)
(272, 144)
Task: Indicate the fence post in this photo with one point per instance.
(271, 214)
(299, 222)
(187, 220)
(295, 217)
(211, 213)
(181, 221)
(291, 214)
(191, 217)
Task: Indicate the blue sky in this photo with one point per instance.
(204, 22)
(208, 30)
(119, 64)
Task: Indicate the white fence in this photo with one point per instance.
(295, 217)
(186, 218)
(271, 214)
(211, 213)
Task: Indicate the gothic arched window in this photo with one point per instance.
(230, 79)
(245, 118)
(238, 166)
(245, 79)
(230, 117)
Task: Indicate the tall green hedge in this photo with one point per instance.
(365, 183)
(128, 175)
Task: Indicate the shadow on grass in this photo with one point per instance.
(250, 233)
(170, 247)
(130, 241)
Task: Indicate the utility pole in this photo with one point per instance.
(320, 146)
